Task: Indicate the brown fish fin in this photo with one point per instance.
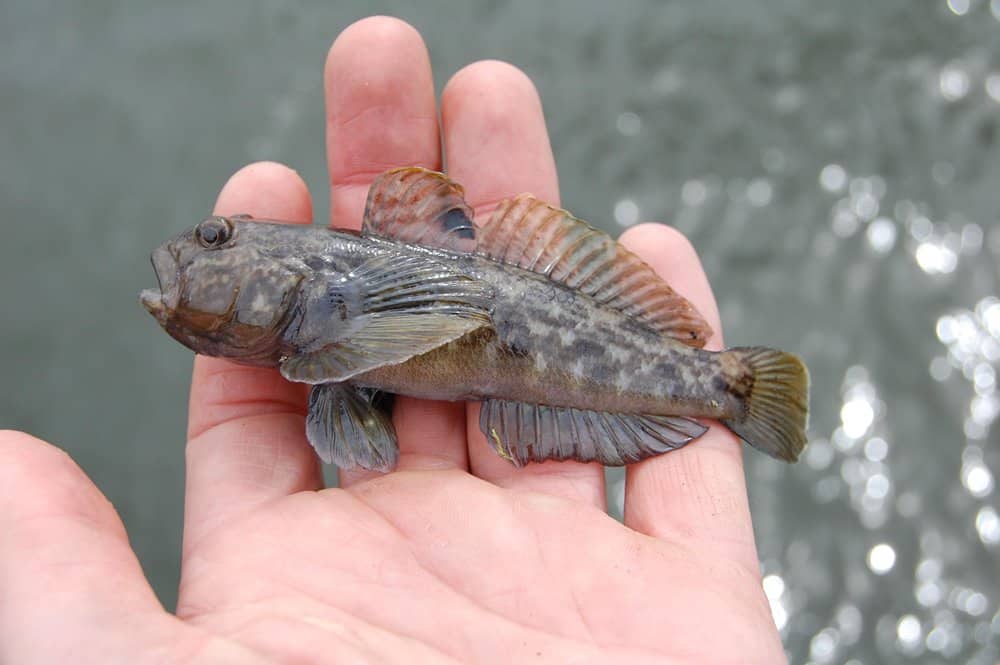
(536, 236)
(523, 433)
(347, 428)
(421, 207)
(777, 406)
(383, 313)
(386, 338)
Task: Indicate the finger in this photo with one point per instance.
(698, 492)
(380, 110)
(498, 146)
(71, 588)
(246, 429)
(381, 113)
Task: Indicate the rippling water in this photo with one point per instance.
(835, 164)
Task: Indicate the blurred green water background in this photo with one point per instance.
(835, 164)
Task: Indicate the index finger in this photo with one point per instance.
(246, 435)
(697, 492)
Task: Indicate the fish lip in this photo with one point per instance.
(152, 300)
(161, 300)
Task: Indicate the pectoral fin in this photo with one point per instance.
(525, 433)
(346, 428)
(384, 339)
(383, 313)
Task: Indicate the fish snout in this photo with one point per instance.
(152, 300)
(160, 301)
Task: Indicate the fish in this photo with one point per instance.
(575, 347)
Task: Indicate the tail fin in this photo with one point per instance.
(777, 406)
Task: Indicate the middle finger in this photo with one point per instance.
(381, 113)
(498, 146)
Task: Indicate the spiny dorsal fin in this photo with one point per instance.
(420, 206)
(536, 236)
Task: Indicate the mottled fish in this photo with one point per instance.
(575, 347)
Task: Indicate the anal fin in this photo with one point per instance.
(347, 428)
(523, 433)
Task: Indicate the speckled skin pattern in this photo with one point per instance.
(548, 344)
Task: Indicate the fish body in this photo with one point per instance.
(547, 345)
(576, 348)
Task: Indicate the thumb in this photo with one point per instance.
(71, 588)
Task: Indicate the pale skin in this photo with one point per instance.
(456, 557)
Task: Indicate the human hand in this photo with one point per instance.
(455, 557)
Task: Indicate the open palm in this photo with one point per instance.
(456, 556)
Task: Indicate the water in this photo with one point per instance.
(835, 165)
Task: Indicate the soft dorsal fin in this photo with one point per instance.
(536, 236)
(420, 206)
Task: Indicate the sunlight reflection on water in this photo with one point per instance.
(882, 544)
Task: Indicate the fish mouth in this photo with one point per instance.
(152, 300)
(158, 301)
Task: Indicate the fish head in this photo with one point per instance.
(222, 292)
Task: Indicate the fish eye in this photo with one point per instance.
(214, 232)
